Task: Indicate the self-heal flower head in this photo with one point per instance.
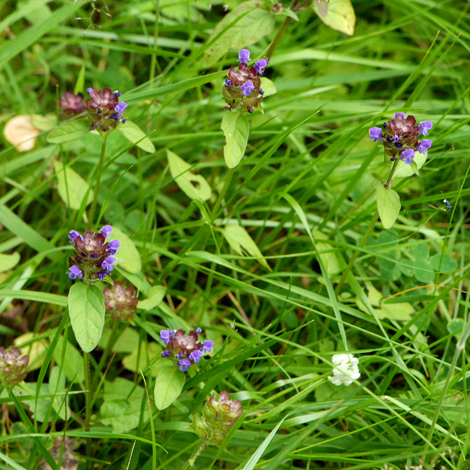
(244, 56)
(345, 369)
(12, 366)
(375, 133)
(408, 155)
(424, 146)
(104, 109)
(120, 302)
(424, 127)
(74, 272)
(71, 105)
(166, 335)
(247, 88)
(184, 365)
(260, 65)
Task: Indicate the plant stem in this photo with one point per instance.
(282, 29)
(109, 346)
(367, 234)
(192, 460)
(104, 138)
(86, 359)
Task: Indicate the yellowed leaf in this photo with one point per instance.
(20, 132)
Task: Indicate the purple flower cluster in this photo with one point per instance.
(12, 366)
(104, 109)
(71, 105)
(184, 347)
(400, 137)
(120, 301)
(243, 89)
(93, 257)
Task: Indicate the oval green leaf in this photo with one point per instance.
(388, 204)
(9, 261)
(71, 186)
(155, 296)
(256, 20)
(86, 309)
(44, 123)
(168, 386)
(194, 186)
(70, 131)
(134, 134)
(268, 87)
(236, 129)
(340, 15)
(403, 170)
(127, 256)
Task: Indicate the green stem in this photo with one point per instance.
(220, 199)
(192, 460)
(367, 234)
(109, 346)
(104, 138)
(86, 359)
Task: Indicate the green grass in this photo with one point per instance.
(309, 167)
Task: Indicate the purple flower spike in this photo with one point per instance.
(408, 156)
(184, 365)
(424, 127)
(247, 88)
(166, 354)
(375, 133)
(424, 146)
(227, 83)
(75, 272)
(399, 114)
(207, 346)
(195, 356)
(260, 65)
(244, 56)
(165, 336)
(120, 107)
(106, 231)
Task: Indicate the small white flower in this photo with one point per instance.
(345, 370)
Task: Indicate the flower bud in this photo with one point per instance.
(12, 366)
(218, 417)
(120, 302)
(104, 109)
(92, 260)
(71, 105)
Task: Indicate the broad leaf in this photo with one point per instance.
(127, 256)
(44, 123)
(72, 364)
(236, 128)
(194, 186)
(9, 261)
(238, 237)
(340, 15)
(71, 186)
(168, 386)
(403, 170)
(21, 132)
(86, 309)
(446, 265)
(70, 131)
(257, 20)
(268, 87)
(388, 204)
(134, 134)
(155, 296)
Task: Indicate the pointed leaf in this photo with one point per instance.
(86, 309)
(388, 204)
(71, 186)
(70, 131)
(134, 134)
(127, 256)
(236, 128)
(168, 386)
(340, 15)
(194, 186)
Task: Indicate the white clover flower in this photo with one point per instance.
(345, 370)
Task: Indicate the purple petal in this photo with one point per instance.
(195, 356)
(244, 56)
(424, 146)
(120, 107)
(260, 65)
(375, 133)
(408, 156)
(207, 346)
(106, 230)
(184, 365)
(247, 88)
(424, 127)
(399, 114)
(75, 272)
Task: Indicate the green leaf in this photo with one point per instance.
(447, 264)
(403, 170)
(399, 312)
(70, 131)
(149, 354)
(155, 296)
(236, 128)
(340, 15)
(194, 186)
(44, 123)
(333, 262)
(72, 364)
(388, 204)
(423, 271)
(126, 343)
(414, 167)
(127, 256)
(257, 20)
(57, 386)
(268, 87)
(238, 237)
(80, 83)
(168, 386)
(86, 309)
(71, 186)
(455, 326)
(9, 261)
(133, 133)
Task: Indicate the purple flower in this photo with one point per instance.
(207, 346)
(399, 114)
(198, 331)
(261, 91)
(260, 65)
(166, 354)
(90, 90)
(113, 246)
(108, 263)
(244, 56)
(184, 365)
(247, 88)
(424, 127)
(73, 234)
(227, 83)
(102, 274)
(424, 146)
(120, 107)
(179, 355)
(375, 133)
(106, 231)
(408, 156)
(448, 206)
(75, 272)
(195, 356)
(166, 335)
(116, 93)
(395, 139)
